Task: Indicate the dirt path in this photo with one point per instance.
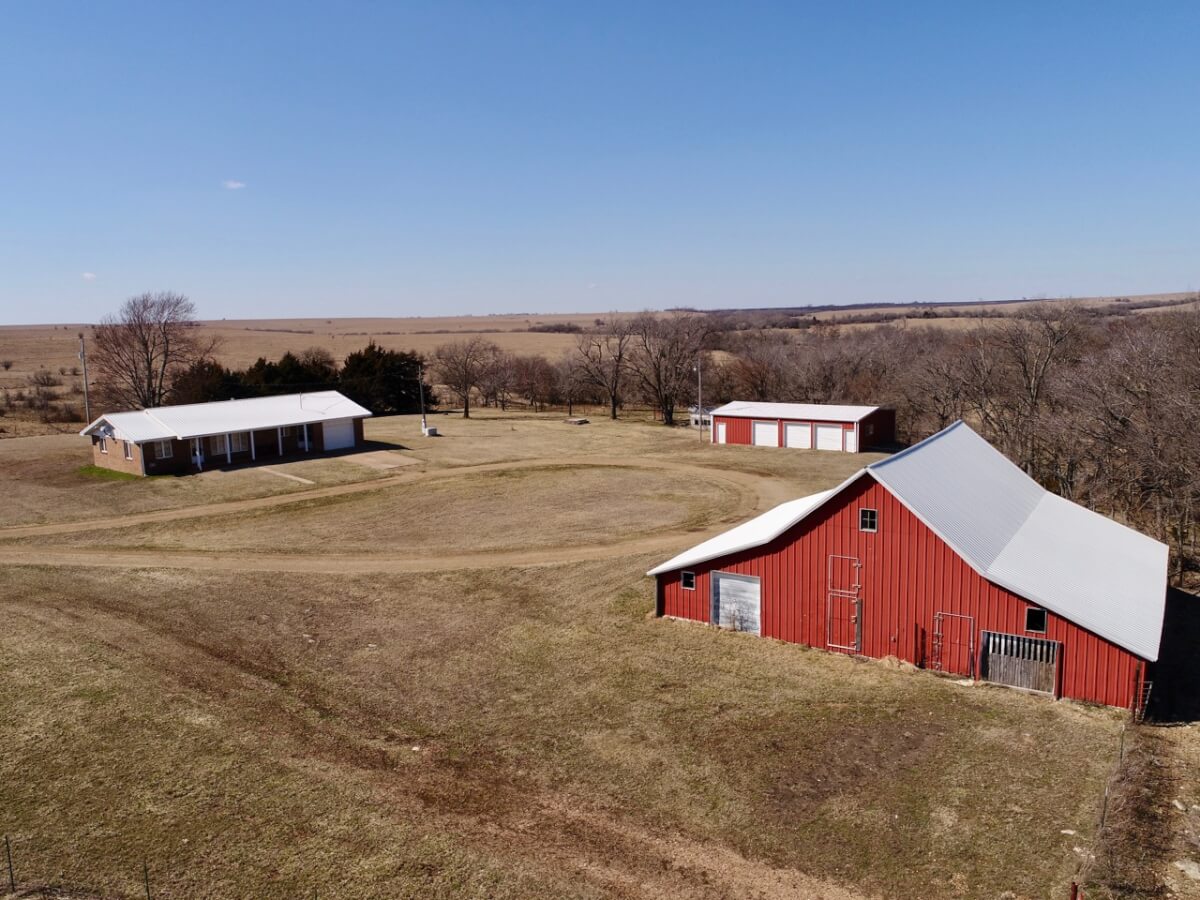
(758, 494)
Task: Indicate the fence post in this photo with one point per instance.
(12, 879)
(146, 879)
(1075, 891)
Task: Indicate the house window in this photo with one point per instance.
(288, 430)
(163, 450)
(240, 443)
(103, 445)
(1035, 620)
(868, 520)
(216, 444)
(687, 581)
(128, 449)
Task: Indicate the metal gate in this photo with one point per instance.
(843, 619)
(1022, 662)
(954, 644)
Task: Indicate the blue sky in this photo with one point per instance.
(290, 159)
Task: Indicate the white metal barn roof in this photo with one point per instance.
(1091, 570)
(758, 531)
(228, 416)
(821, 412)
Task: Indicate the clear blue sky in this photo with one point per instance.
(287, 159)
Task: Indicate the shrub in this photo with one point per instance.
(6, 363)
(43, 378)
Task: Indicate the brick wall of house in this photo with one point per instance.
(115, 457)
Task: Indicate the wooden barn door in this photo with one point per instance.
(954, 644)
(1022, 662)
(843, 621)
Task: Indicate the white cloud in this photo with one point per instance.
(231, 184)
(88, 276)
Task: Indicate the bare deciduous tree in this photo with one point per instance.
(604, 358)
(463, 365)
(665, 351)
(137, 352)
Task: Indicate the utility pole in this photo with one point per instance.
(421, 394)
(699, 400)
(87, 403)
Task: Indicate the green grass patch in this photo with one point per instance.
(99, 473)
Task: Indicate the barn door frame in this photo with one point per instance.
(839, 600)
(939, 648)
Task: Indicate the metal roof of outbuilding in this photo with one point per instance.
(228, 416)
(820, 412)
(1079, 564)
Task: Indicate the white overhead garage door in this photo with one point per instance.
(829, 437)
(736, 602)
(339, 434)
(797, 434)
(766, 434)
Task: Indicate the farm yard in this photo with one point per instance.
(443, 677)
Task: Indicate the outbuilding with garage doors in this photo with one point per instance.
(804, 426)
(191, 437)
(948, 556)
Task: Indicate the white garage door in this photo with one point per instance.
(339, 434)
(766, 434)
(735, 602)
(829, 437)
(796, 434)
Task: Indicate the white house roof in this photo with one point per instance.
(227, 416)
(820, 412)
(758, 531)
(1083, 566)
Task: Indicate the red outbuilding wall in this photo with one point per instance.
(880, 424)
(908, 574)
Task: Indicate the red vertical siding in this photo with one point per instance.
(908, 574)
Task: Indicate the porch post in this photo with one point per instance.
(229, 449)
(307, 445)
(252, 456)
(279, 434)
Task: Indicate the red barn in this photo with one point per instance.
(950, 557)
(804, 426)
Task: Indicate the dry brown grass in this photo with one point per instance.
(566, 745)
(491, 511)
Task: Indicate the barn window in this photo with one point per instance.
(1035, 620)
(868, 520)
(687, 581)
(128, 450)
(103, 445)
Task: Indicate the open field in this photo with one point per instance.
(429, 718)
